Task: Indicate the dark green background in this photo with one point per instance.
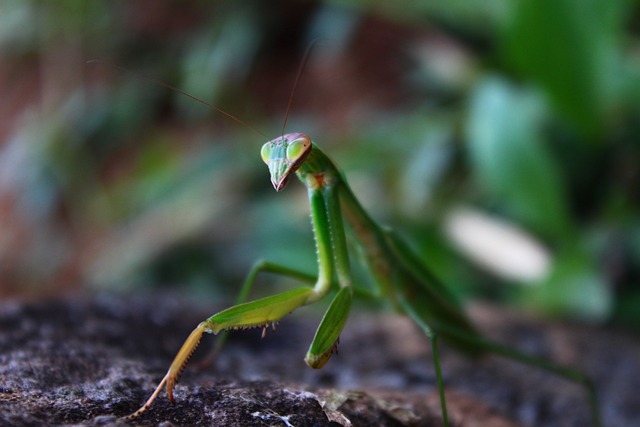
(527, 111)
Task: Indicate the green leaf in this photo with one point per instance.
(568, 48)
(509, 157)
(575, 286)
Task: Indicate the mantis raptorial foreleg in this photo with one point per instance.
(401, 277)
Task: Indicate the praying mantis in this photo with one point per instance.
(400, 276)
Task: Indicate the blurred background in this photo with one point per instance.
(499, 137)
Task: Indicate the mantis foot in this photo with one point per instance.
(175, 370)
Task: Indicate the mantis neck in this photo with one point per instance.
(318, 171)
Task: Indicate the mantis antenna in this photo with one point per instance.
(182, 92)
(303, 64)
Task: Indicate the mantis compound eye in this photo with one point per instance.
(298, 149)
(265, 152)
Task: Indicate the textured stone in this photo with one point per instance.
(78, 361)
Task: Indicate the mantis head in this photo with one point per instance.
(284, 155)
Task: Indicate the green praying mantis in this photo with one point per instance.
(400, 276)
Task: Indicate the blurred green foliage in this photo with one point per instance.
(526, 111)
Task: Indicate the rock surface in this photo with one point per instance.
(90, 361)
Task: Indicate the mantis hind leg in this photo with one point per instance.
(570, 374)
(436, 363)
(433, 338)
(261, 266)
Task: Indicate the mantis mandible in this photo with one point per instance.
(401, 277)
